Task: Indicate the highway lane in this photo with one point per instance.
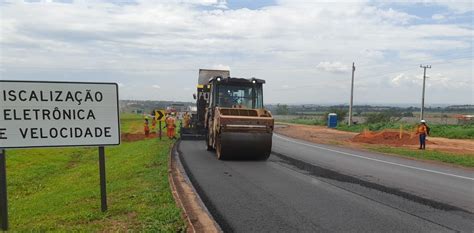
(437, 182)
(283, 195)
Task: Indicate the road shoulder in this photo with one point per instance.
(196, 214)
(441, 151)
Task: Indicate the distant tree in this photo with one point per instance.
(282, 109)
(408, 114)
(380, 117)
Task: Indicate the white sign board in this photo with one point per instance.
(47, 114)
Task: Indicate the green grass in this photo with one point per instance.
(58, 189)
(453, 131)
(131, 123)
(446, 131)
(466, 160)
(437, 130)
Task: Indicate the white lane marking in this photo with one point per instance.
(377, 160)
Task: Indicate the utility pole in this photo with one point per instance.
(423, 95)
(352, 95)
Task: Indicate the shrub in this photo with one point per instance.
(380, 117)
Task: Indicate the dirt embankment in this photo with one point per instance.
(324, 135)
(387, 138)
(132, 137)
(316, 134)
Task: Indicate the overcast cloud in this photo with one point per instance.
(304, 49)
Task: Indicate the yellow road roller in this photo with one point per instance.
(237, 123)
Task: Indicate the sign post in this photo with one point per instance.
(103, 187)
(159, 116)
(57, 114)
(3, 193)
(160, 132)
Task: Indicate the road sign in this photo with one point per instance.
(46, 114)
(160, 115)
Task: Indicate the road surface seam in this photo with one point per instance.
(377, 160)
(312, 175)
(334, 175)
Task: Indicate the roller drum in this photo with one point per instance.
(242, 145)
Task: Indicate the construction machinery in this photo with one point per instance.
(236, 124)
(196, 129)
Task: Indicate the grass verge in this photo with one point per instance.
(465, 160)
(58, 188)
(437, 130)
(445, 131)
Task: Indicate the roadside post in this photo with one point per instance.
(103, 184)
(3, 192)
(159, 116)
(57, 114)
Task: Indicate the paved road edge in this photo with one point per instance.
(197, 216)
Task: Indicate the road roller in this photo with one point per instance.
(238, 126)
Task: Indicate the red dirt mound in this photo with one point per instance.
(387, 138)
(132, 137)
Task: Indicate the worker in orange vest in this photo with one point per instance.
(186, 120)
(422, 132)
(170, 126)
(146, 128)
(153, 124)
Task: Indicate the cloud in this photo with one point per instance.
(402, 80)
(435, 80)
(167, 41)
(220, 67)
(392, 15)
(459, 7)
(334, 67)
(156, 86)
(438, 17)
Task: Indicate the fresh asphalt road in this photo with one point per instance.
(306, 187)
(436, 182)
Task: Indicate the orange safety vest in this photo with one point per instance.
(421, 129)
(170, 123)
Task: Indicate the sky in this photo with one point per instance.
(303, 49)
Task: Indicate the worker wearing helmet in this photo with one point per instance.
(146, 128)
(153, 124)
(186, 120)
(170, 127)
(422, 131)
